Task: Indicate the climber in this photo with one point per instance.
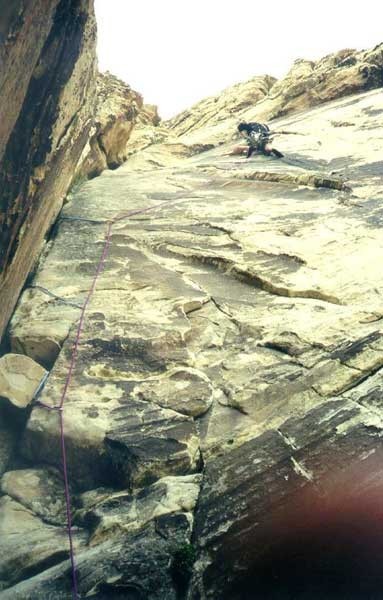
(258, 137)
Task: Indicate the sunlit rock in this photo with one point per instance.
(20, 377)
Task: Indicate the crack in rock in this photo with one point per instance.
(245, 275)
(317, 181)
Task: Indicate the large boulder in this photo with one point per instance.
(20, 377)
(117, 110)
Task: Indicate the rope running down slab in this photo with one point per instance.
(74, 355)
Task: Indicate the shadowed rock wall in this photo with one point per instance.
(47, 82)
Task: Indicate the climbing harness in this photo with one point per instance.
(60, 408)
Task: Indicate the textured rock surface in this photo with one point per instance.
(47, 60)
(233, 348)
(141, 566)
(106, 514)
(38, 490)
(83, 129)
(9, 435)
(307, 84)
(117, 109)
(223, 421)
(27, 544)
(218, 109)
(20, 378)
(330, 466)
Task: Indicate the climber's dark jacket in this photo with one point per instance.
(257, 136)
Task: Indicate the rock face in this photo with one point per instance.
(20, 378)
(39, 490)
(27, 544)
(117, 109)
(48, 62)
(307, 84)
(329, 462)
(223, 423)
(147, 565)
(217, 109)
(213, 327)
(61, 123)
(311, 83)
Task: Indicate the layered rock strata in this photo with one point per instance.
(306, 85)
(225, 409)
(217, 109)
(116, 113)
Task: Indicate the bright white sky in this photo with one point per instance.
(177, 52)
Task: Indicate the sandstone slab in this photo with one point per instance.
(113, 514)
(329, 463)
(28, 545)
(39, 490)
(20, 378)
(141, 565)
(236, 330)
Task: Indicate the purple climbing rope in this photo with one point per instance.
(60, 407)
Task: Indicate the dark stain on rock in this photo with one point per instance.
(375, 221)
(350, 350)
(341, 162)
(140, 465)
(372, 112)
(373, 169)
(296, 527)
(133, 354)
(374, 398)
(11, 19)
(108, 591)
(319, 422)
(92, 412)
(35, 123)
(127, 387)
